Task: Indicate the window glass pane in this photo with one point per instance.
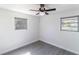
(69, 24)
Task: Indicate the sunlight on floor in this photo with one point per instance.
(27, 53)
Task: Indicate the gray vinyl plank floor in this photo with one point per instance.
(39, 48)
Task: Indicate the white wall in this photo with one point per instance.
(9, 37)
(50, 31)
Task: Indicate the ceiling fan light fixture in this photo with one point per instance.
(41, 13)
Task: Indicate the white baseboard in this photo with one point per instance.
(59, 46)
(16, 46)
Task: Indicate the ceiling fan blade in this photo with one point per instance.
(46, 13)
(37, 13)
(33, 10)
(51, 9)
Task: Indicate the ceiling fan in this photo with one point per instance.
(43, 9)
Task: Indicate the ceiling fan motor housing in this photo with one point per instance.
(42, 9)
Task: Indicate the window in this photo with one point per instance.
(20, 23)
(70, 24)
